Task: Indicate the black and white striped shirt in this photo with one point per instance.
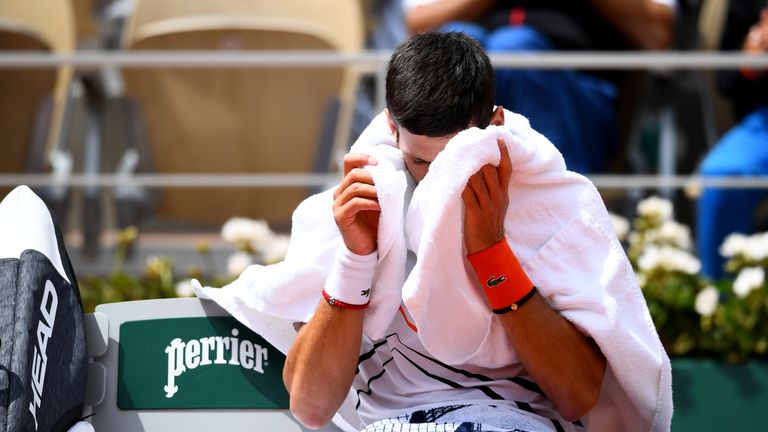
(396, 375)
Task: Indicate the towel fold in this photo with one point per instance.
(558, 227)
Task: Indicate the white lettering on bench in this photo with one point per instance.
(189, 355)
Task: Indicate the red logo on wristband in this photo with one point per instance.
(495, 281)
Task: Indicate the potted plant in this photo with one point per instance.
(716, 332)
(253, 242)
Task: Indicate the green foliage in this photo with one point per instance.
(253, 242)
(738, 329)
(158, 281)
(696, 317)
(120, 286)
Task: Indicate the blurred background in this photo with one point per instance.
(171, 117)
(173, 138)
(149, 123)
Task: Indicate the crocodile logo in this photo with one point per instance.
(495, 281)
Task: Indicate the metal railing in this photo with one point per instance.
(327, 180)
(371, 63)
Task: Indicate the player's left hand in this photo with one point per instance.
(485, 203)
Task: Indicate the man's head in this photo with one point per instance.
(437, 85)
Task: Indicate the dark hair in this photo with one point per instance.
(439, 83)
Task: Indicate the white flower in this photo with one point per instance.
(184, 288)
(734, 244)
(620, 226)
(263, 240)
(649, 259)
(680, 260)
(276, 249)
(749, 278)
(655, 208)
(676, 234)
(668, 258)
(157, 266)
(238, 262)
(243, 231)
(752, 248)
(756, 247)
(706, 301)
(762, 241)
(154, 261)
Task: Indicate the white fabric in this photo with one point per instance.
(351, 277)
(292, 288)
(25, 223)
(558, 227)
(81, 427)
(397, 376)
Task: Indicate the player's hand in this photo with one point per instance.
(356, 205)
(485, 203)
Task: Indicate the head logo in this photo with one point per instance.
(212, 350)
(44, 332)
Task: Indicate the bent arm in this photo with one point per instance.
(321, 363)
(435, 15)
(566, 364)
(648, 25)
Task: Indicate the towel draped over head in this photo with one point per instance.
(556, 224)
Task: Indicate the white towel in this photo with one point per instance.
(291, 289)
(558, 227)
(81, 426)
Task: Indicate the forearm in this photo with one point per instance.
(646, 24)
(567, 365)
(435, 15)
(321, 363)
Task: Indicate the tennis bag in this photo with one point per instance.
(43, 358)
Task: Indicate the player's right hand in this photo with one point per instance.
(356, 205)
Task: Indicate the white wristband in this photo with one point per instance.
(351, 277)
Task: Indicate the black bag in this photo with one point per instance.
(43, 357)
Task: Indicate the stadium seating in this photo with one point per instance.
(217, 120)
(32, 101)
